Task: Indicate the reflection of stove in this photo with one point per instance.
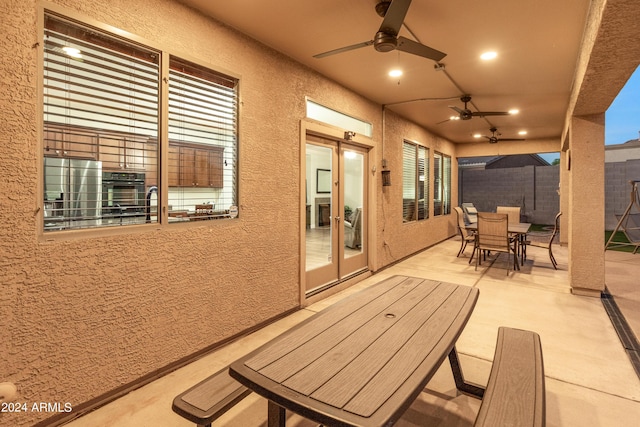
(120, 215)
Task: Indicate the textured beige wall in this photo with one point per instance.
(86, 315)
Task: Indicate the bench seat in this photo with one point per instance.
(515, 394)
(210, 398)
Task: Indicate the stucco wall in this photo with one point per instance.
(85, 315)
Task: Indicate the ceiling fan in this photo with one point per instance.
(494, 138)
(467, 114)
(386, 39)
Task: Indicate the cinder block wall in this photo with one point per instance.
(533, 188)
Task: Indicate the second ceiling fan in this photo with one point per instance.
(495, 137)
(467, 114)
(387, 39)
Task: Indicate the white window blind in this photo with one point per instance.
(100, 117)
(101, 126)
(446, 190)
(415, 182)
(408, 182)
(442, 188)
(203, 108)
(422, 195)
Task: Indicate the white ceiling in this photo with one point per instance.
(537, 42)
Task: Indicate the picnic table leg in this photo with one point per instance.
(276, 415)
(465, 387)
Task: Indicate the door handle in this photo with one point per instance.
(337, 219)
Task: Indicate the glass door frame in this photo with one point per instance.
(338, 268)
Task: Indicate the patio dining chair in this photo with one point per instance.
(548, 243)
(493, 235)
(513, 214)
(466, 236)
(470, 213)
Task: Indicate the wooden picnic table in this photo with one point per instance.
(364, 360)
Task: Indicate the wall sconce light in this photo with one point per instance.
(386, 178)
(348, 135)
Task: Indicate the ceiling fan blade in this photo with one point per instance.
(490, 113)
(456, 109)
(344, 49)
(409, 46)
(394, 17)
(511, 139)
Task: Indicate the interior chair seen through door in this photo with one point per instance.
(352, 230)
(493, 235)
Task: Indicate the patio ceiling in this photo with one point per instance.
(537, 42)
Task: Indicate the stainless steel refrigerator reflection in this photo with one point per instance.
(72, 193)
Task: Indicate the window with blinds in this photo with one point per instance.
(415, 182)
(101, 127)
(202, 140)
(442, 184)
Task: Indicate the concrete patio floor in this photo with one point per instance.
(590, 380)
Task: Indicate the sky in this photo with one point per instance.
(622, 119)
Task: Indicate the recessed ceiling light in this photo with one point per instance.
(514, 111)
(72, 51)
(522, 132)
(486, 56)
(477, 135)
(395, 73)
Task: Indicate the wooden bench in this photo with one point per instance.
(515, 394)
(210, 399)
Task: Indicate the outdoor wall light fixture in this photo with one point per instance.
(386, 178)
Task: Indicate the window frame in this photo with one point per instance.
(441, 184)
(231, 182)
(420, 190)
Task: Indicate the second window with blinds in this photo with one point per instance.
(101, 129)
(442, 184)
(415, 182)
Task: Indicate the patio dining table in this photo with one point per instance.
(364, 360)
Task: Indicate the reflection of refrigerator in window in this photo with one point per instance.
(72, 193)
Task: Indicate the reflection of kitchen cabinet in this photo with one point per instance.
(119, 152)
(195, 166)
(69, 143)
(174, 166)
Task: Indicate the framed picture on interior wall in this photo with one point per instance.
(323, 181)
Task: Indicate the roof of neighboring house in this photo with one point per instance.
(632, 143)
(479, 162)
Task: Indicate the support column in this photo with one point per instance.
(563, 189)
(586, 205)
